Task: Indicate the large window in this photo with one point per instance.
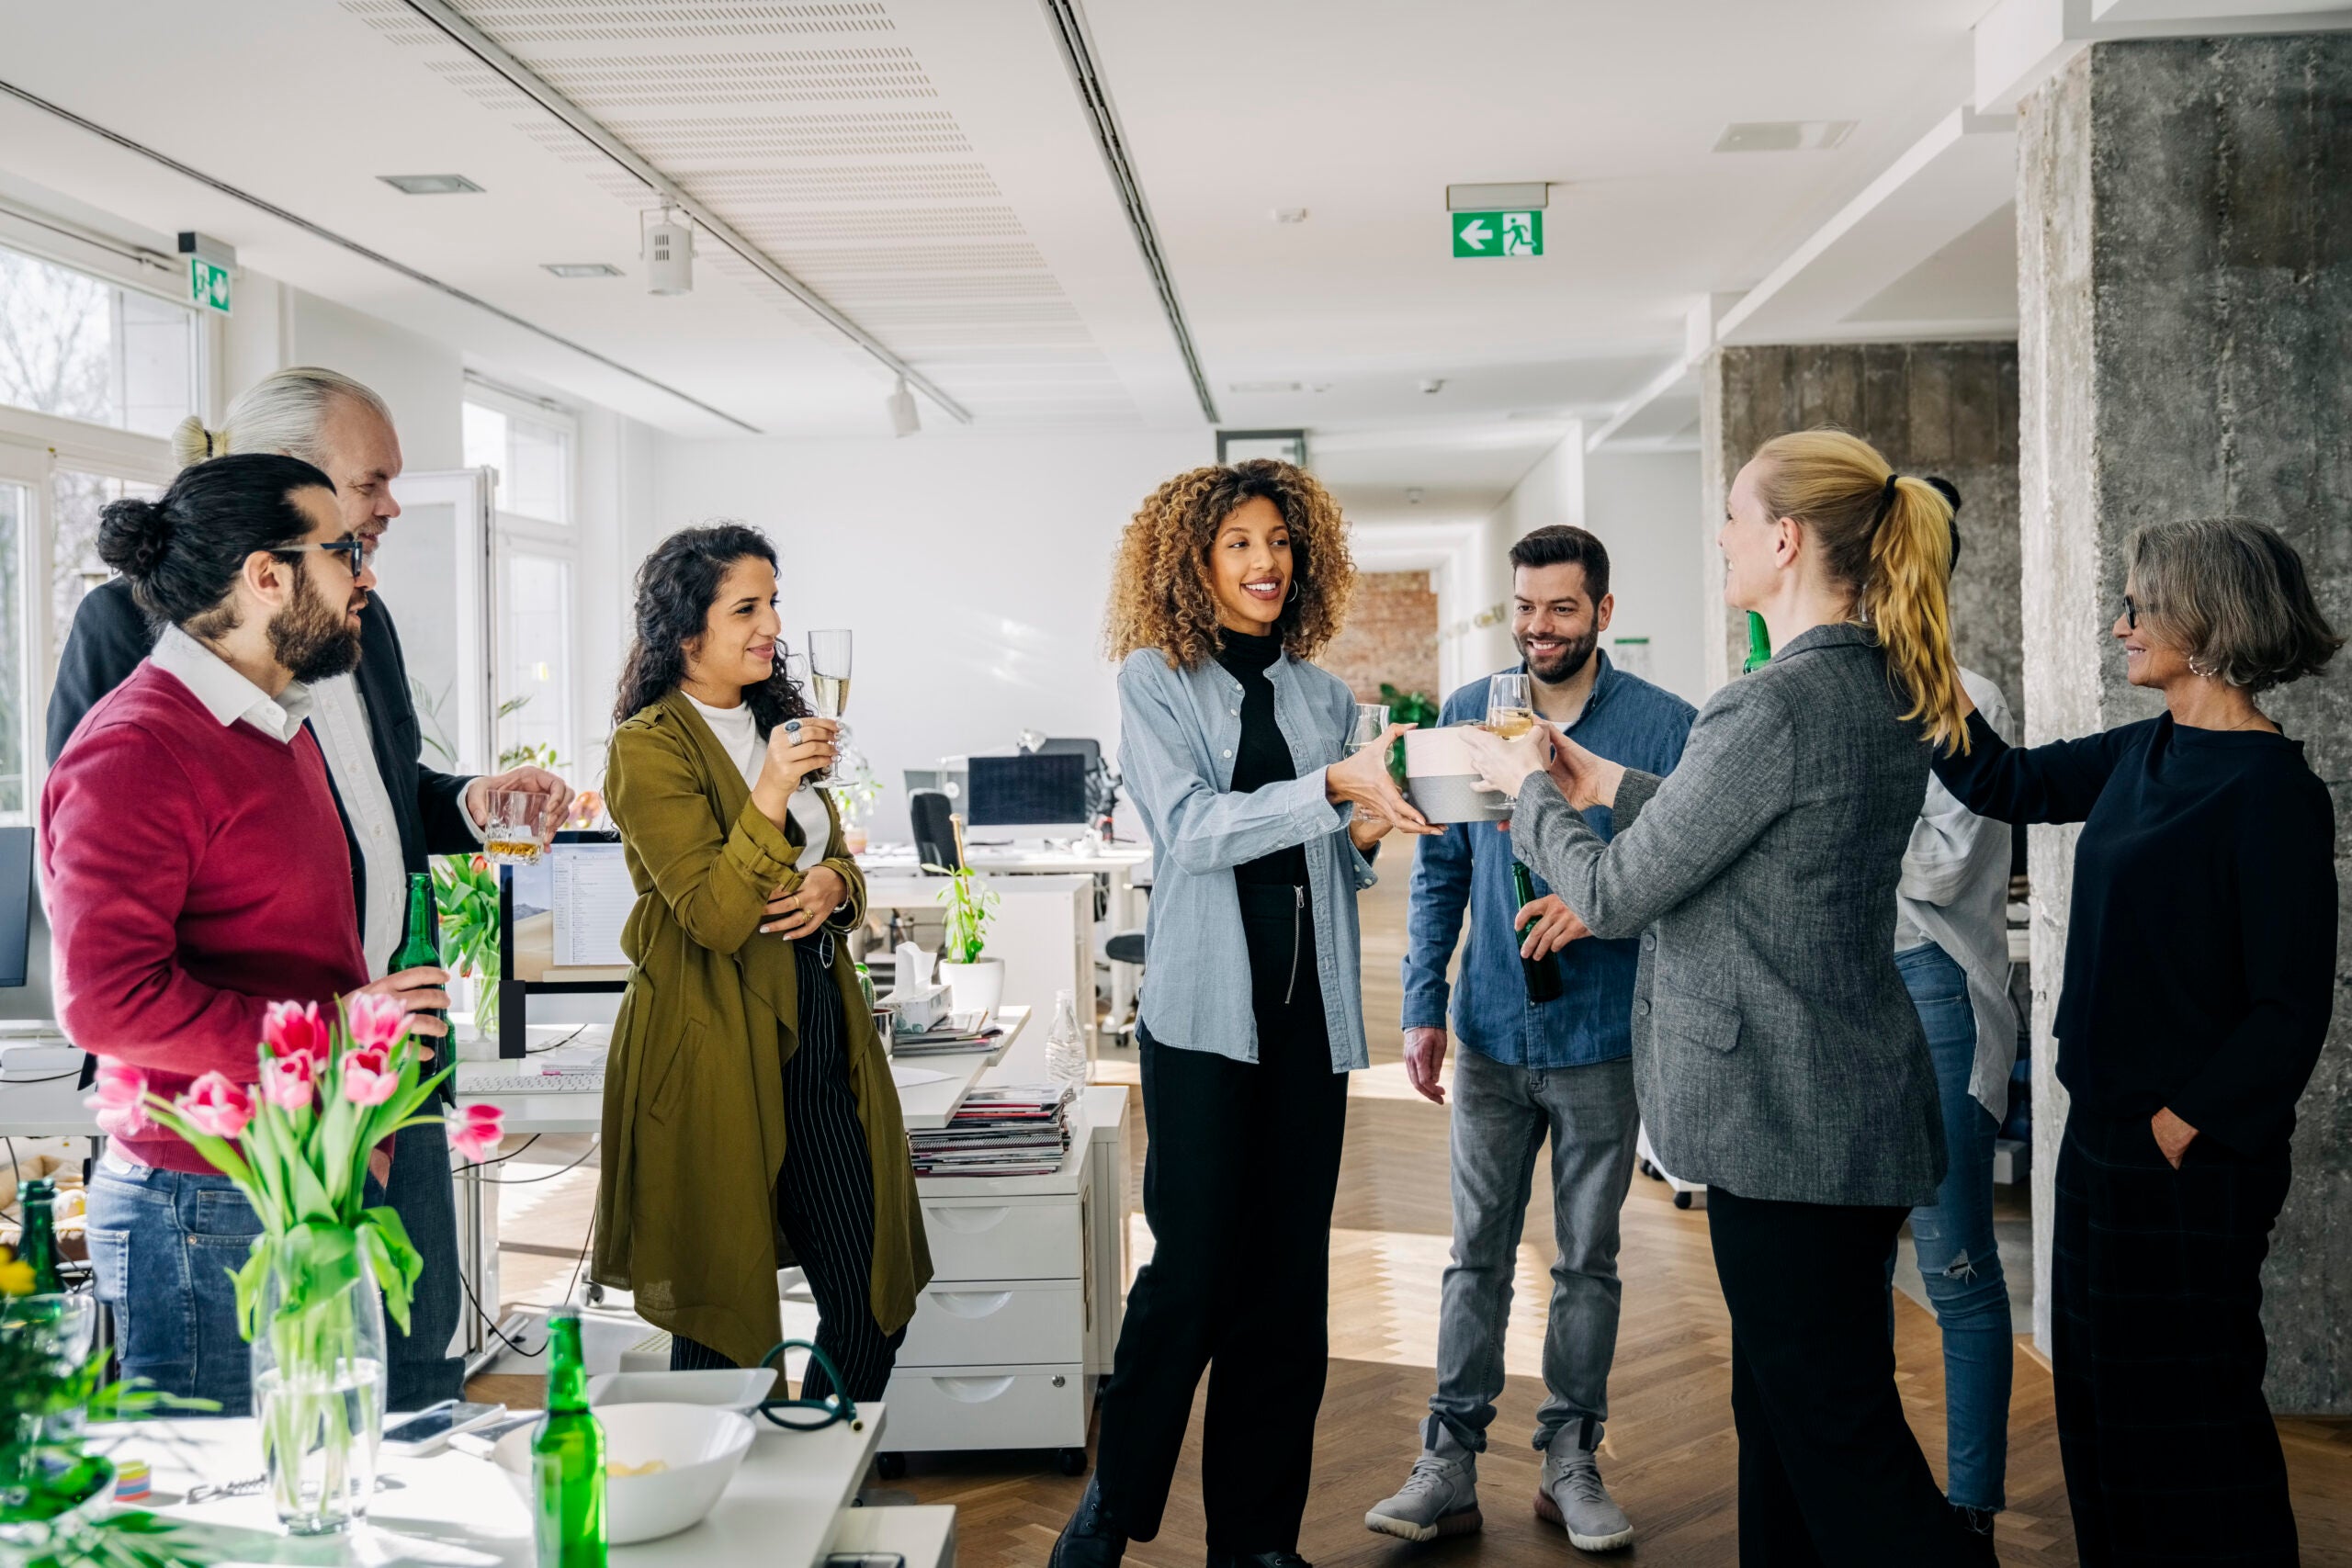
(76, 346)
(531, 444)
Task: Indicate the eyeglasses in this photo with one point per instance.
(351, 548)
(2131, 613)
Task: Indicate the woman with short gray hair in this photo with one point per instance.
(2199, 975)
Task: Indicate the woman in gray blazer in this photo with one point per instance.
(1776, 1053)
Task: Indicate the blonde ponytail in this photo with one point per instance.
(1888, 538)
(191, 443)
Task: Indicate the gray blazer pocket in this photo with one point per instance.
(1710, 1024)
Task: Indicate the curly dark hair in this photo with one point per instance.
(675, 589)
(1161, 596)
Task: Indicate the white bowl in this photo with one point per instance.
(703, 1448)
(727, 1388)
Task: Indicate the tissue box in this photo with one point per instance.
(919, 1006)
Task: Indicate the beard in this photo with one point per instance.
(1569, 664)
(312, 639)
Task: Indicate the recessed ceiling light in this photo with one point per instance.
(429, 184)
(583, 269)
(1784, 135)
(1290, 215)
(1515, 196)
(1247, 387)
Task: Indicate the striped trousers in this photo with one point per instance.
(824, 1196)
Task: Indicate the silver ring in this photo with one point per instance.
(792, 728)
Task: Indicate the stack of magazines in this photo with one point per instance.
(957, 1033)
(1018, 1130)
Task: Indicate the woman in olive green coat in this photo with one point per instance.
(750, 1119)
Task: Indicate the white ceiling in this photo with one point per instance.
(924, 165)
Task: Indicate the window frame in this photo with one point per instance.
(513, 533)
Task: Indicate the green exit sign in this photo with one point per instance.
(1498, 234)
(208, 284)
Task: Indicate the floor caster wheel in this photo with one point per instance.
(1682, 1200)
(1070, 1461)
(890, 1467)
(1651, 1171)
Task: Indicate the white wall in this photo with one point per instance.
(1645, 507)
(972, 569)
(1551, 493)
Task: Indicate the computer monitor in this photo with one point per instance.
(16, 902)
(559, 925)
(1043, 794)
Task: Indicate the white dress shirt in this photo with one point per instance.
(227, 695)
(339, 718)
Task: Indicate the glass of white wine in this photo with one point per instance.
(1511, 708)
(829, 665)
(1371, 724)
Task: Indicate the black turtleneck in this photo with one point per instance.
(1263, 757)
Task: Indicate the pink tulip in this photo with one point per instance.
(368, 1076)
(375, 1021)
(215, 1105)
(477, 1131)
(291, 1030)
(121, 1100)
(289, 1082)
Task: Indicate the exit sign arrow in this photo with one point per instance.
(1498, 234)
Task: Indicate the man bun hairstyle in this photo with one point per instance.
(282, 411)
(1887, 538)
(2234, 598)
(1560, 544)
(183, 550)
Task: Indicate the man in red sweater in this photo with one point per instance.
(196, 872)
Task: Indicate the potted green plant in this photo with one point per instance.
(975, 982)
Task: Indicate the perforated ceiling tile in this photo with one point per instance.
(823, 143)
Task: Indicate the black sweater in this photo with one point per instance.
(1263, 757)
(2200, 946)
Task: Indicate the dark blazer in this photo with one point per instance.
(111, 635)
(1776, 1053)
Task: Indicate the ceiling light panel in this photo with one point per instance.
(582, 269)
(429, 185)
(815, 131)
(1784, 135)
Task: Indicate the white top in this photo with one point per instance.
(339, 718)
(227, 695)
(738, 733)
(1955, 893)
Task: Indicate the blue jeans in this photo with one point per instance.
(1958, 1261)
(163, 1244)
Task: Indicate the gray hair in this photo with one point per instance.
(280, 412)
(2234, 597)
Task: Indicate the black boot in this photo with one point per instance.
(1256, 1559)
(1092, 1538)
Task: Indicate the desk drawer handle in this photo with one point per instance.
(972, 1303)
(971, 1222)
(974, 1390)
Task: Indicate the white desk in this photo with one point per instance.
(788, 1507)
(929, 1106)
(1043, 930)
(46, 1107)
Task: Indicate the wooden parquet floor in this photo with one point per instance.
(1670, 1454)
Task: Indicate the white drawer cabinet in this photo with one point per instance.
(1015, 1328)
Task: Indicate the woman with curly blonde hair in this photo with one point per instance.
(1236, 748)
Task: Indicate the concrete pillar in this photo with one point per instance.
(2185, 283)
(1932, 408)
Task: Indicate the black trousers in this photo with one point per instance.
(2157, 1349)
(1829, 1473)
(1243, 1164)
(824, 1198)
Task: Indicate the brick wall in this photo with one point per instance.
(1391, 636)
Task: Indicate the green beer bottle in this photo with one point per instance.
(568, 1458)
(1543, 974)
(421, 944)
(38, 1246)
(1759, 645)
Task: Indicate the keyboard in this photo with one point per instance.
(470, 1084)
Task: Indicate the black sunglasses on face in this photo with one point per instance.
(353, 550)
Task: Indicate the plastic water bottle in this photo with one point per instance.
(1064, 1046)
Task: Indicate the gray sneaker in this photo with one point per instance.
(1574, 1498)
(1440, 1498)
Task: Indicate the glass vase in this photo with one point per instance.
(319, 1372)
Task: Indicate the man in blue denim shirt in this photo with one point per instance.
(1561, 1068)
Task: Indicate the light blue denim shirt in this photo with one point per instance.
(1178, 733)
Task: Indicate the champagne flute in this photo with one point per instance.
(1510, 707)
(829, 666)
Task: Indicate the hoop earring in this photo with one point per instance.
(1293, 593)
(2201, 667)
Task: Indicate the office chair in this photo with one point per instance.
(934, 835)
